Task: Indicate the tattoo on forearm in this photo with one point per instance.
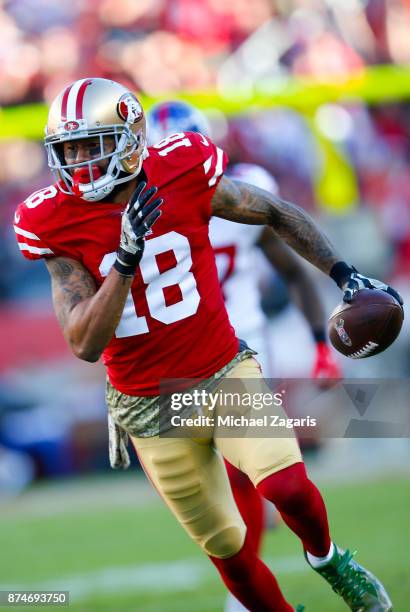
(71, 285)
(244, 203)
(299, 230)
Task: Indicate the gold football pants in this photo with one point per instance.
(190, 475)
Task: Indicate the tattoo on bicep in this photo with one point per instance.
(242, 203)
(71, 285)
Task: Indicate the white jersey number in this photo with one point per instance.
(131, 324)
(38, 197)
(178, 140)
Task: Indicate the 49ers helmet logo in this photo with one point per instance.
(129, 109)
(71, 126)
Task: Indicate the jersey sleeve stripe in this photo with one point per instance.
(207, 164)
(218, 168)
(35, 250)
(25, 233)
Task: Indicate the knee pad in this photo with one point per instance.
(226, 542)
(192, 481)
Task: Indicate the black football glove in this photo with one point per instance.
(137, 220)
(350, 282)
(357, 281)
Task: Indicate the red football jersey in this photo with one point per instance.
(174, 323)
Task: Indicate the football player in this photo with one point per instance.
(124, 233)
(236, 249)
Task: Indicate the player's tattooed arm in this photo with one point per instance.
(88, 316)
(245, 203)
(71, 284)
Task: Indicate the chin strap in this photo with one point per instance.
(92, 188)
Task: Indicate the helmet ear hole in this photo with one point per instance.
(131, 162)
(133, 153)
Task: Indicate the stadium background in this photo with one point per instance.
(318, 93)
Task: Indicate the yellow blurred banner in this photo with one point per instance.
(373, 85)
(335, 183)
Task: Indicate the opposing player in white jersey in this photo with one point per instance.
(238, 260)
(238, 256)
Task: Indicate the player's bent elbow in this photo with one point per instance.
(85, 354)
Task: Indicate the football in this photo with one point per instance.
(367, 325)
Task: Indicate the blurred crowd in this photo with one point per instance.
(45, 44)
(172, 46)
(167, 47)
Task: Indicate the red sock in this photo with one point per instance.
(249, 502)
(300, 505)
(250, 581)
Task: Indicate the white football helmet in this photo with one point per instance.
(96, 107)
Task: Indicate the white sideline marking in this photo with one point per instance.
(186, 574)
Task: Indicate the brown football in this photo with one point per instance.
(366, 326)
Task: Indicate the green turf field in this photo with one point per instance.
(137, 558)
